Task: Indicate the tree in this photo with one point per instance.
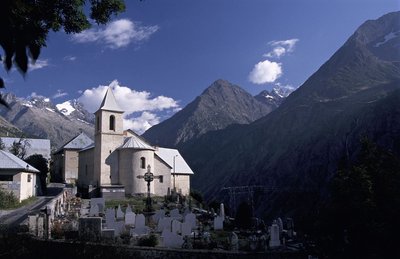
(40, 163)
(18, 148)
(364, 206)
(25, 24)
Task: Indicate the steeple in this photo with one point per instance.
(109, 103)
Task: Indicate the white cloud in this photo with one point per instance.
(59, 94)
(265, 72)
(69, 58)
(117, 34)
(280, 48)
(131, 101)
(142, 123)
(40, 63)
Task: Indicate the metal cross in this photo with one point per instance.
(148, 177)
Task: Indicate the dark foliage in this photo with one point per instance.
(243, 216)
(40, 163)
(25, 24)
(361, 220)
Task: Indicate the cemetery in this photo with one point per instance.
(162, 223)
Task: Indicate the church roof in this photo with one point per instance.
(136, 142)
(9, 161)
(78, 142)
(168, 154)
(109, 103)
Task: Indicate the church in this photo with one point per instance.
(114, 165)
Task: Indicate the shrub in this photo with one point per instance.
(8, 200)
(150, 241)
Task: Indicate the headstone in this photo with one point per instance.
(253, 242)
(101, 203)
(118, 227)
(159, 214)
(171, 240)
(175, 214)
(164, 223)
(139, 221)
(191, 219)
(186, 229)
(110, 217)
(120, 214)
(222, 210)
(274, 241)
(128, 209)
(94, 211)
(130, 218)
(90, 228)
(218, 223)
(176, 226)
(280, 225)
(234, 241)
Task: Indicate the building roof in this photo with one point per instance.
(78, 142)
(168, 155)
(9, 161)
(109, 103)
(35, 146)
(135, 142)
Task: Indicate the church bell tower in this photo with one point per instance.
(108, 137)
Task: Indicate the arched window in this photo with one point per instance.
(143, 162)
(112, 122)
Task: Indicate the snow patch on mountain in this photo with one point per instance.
(65, 108)
(388, 37)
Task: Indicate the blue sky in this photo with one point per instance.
(167, 52)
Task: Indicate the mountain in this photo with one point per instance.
(75, 110)
(220, 105)
(273, 98)
(295, 150)
(39, 117)
(9, 130)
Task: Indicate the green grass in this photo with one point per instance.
(8, 201)
(136, 202)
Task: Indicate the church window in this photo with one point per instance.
(112, 122)
(161, 179)
(29, 178)
(143, 162)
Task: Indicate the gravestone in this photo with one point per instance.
(290, 227)
(120, 214)
(164, 223)
(191, 219)
(171, 240)
(186, 229)
(280, 225)
(175, 214)
(218, 223)
(110, 217)
(130, 218)
(94, 211)
(118, 227)
(274, 241)
(90, 228)
(140, 221)
(159, 214)
(233, 241)
(140, 227)
(101, 203)
(222, 210)
(176, 226)
(128, 209)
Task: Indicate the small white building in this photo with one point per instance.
(17, 176)
(115, 164)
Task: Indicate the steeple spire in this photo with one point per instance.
(109, 103)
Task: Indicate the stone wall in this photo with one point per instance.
(63, 249)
